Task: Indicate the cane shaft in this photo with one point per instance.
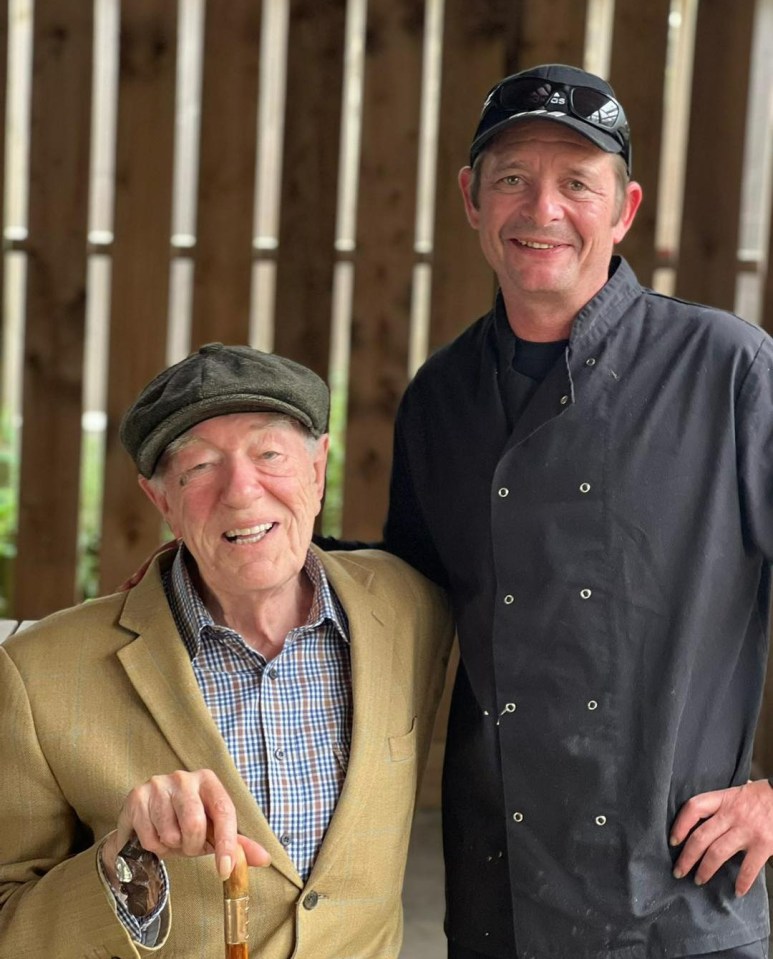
(236, 905)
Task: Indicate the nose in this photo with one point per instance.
(241, 483)
(544, 204)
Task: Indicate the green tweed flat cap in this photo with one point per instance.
(215, 380)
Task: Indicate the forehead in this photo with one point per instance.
(232, 427)
(542, 136)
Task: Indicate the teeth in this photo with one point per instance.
(533, 245)
(250, 534)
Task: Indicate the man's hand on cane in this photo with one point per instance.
(170, 815)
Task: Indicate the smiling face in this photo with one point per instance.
(549, 211)
(242, 491)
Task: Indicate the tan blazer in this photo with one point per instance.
(96, 699)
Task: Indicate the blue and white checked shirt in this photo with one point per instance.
(287, 722)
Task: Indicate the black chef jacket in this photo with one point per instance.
(608, 561)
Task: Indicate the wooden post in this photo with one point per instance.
(56, 298)
(309, 182)
(140, 275)
(709, 240)
(547, 33)
(384, 257)
(223, 252)
(462, 282)
(638, 70)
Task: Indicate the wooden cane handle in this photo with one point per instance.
(236, 904)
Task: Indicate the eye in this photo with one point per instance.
(512, 179)
(189, 472)
(577, 186)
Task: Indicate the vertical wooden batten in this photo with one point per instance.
(547, 33)
(384, 257)
(710, 220)
(638, 70)
(140, 274)
(462, 282)
(56, 301)
(223, 252)
(310, 174)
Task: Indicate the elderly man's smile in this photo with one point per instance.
(249, 534)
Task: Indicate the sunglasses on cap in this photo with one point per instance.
(594, 107)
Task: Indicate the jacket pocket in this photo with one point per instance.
(402, 748)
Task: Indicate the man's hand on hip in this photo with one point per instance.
(739, 819)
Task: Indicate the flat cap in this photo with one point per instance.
(215, 380)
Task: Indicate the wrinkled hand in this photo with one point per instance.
(171, 815)
(739, 819)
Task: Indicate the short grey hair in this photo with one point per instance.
(311, 442)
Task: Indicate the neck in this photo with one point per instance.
(263, 619)
(539, 323)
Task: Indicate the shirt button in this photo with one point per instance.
(518, 816)
(564, 400)
(310, 900)
(273, 672)
(585, 487)
(590, 361)
(509, 599)
(285, 840)
(503, 491)
(585, 593)
(279, 753)
(592, 704)
(601, 820)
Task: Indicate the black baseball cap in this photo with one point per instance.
(561, 94)
(213, 381)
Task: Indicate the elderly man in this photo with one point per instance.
(248, 689)
(610, 451)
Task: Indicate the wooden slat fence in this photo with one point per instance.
(330, 269)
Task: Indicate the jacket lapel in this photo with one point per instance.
(371, 632)
(157, 664)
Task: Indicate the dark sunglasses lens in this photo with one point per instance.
(595, 107)
(525, 94)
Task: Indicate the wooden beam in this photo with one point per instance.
(384, 257)
(56, 298)
(310, 175)
(226, 188)
(140, 275)
(463, 285)
(639, 50)
(712, 201)
(547, 33)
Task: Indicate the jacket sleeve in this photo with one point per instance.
(754, 433)
(52, 901)
(406, 533)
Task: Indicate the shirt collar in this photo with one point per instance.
(192, 616)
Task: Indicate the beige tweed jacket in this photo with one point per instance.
(96, 699)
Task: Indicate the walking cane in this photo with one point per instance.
(236, 906)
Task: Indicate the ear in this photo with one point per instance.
(319, 465)
(464, 180)
(632, 202)
(156, 494)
